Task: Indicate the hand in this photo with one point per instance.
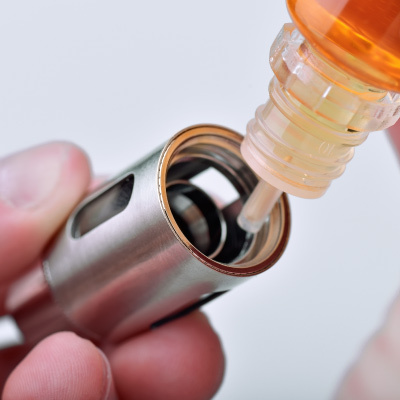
(180, 360)
(376, 374)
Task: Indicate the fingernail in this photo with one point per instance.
(109, 389)
(28, 178)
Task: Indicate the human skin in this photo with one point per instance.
(39, 187)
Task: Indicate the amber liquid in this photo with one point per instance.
(360, 36)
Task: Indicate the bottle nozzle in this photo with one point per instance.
(258, 207)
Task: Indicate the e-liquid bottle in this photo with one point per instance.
(337, 71)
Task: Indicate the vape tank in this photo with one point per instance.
(151, 244)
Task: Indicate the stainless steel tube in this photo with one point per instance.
(149, 243)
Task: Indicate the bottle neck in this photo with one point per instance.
(302, 138)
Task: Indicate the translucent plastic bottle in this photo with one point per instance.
(337, 71)
(360, 36)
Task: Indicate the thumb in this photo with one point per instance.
(38, 189)
(63, 367)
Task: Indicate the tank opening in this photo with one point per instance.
(205, 200)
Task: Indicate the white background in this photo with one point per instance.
(120, 77)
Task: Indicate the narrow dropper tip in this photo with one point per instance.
(258, 207)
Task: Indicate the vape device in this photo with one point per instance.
(151, 244)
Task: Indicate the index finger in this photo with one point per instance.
(38, 189)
